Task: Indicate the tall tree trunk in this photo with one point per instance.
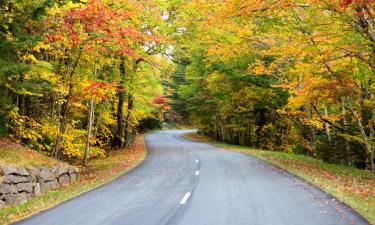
(63, 122)
(312, 132)
(327, 156)
(128, 120)
(88, 134)
(98, 121)
(312, 139)
(326, 127)
(119, 137)
(65, 109)
(366, 112)
(89, 125)
(345, 125)
(369, 153)
(127, 130)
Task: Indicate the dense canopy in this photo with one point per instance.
(79, 78)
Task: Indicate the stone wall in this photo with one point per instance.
(18, 184)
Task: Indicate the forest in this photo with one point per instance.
(81, 78)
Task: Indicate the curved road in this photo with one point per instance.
(188, 183)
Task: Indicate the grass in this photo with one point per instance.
(97, 173)
(14, 154)
(353, 186)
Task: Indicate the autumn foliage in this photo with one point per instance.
(77, 77)
(83, 79)
(295, 76)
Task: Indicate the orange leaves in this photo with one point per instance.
(258, 68)
(160, 100)
(362, 187)
(99, 26)
(100, 89)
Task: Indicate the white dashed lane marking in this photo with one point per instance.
(185, 198)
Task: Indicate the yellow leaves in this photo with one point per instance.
(23, 127)
(258, 68)
(217, 83)
(29, 57)
(316, 123)
(41, 46)
(70, 5)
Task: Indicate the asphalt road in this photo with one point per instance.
(188, 183)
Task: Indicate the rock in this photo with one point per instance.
(28, 187)
(17, 185)
(34, 170)
(8, 170)
(15, 179)
(23, 172)
(46, 174)
(64, 180)
(45, 186)
(11, 170)
(36, 189)
(48, 185)
(61, 170)
(71, 170)
(8, 188)
(2, 204)
(54, 184)
(19, 198)
(29, 195)
(73, 177)
(34, 173)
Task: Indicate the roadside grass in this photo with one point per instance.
(95, 174)
(353, 186)
(15, 154)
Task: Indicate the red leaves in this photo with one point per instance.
(343, 4)
(96, 25)
(96, 89)
(160, 100)
(347, 2)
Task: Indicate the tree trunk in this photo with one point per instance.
(128, 120)
(65, 110)
(127, 130)
(312, 132)
(345, 125)
(119, 137)
(63, 123)
(327, 156)
(369, 153)
(88, 135)
(89, 125)
(326, 127)
(98, 121)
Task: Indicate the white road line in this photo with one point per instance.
(197, 161)
(197, 172)
(185, 198)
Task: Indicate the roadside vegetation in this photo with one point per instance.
(15, 154)
(351, 185)
(293, 76)
(96, 173)
(79, 79)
